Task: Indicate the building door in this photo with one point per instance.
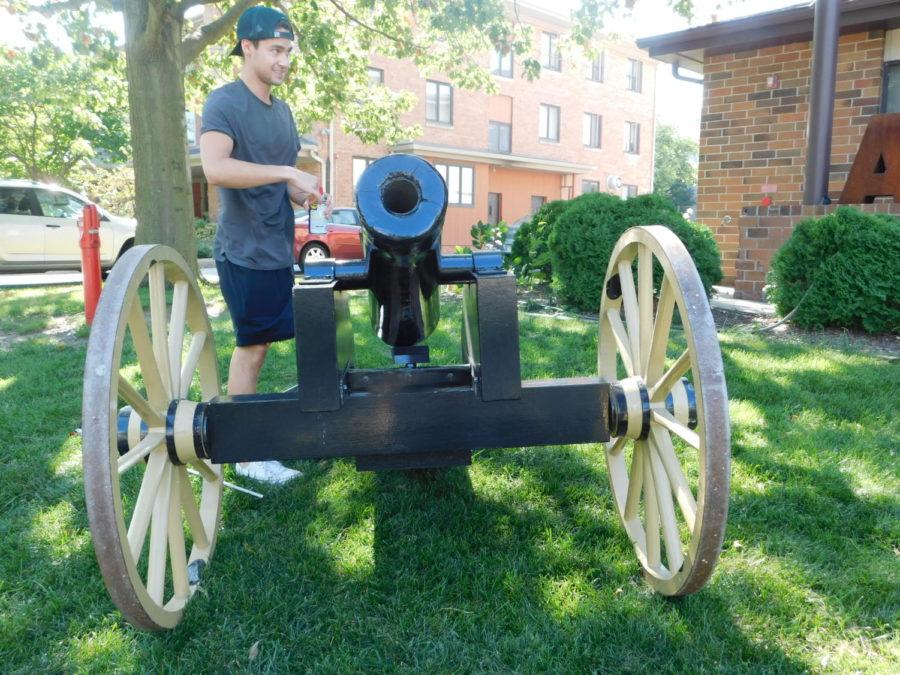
(493, 207)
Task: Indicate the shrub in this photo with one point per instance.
(530, 252)
(845, 268)
(586, 232)
(205, 232)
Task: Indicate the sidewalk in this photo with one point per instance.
(723, 298)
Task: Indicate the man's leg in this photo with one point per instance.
(243, 372)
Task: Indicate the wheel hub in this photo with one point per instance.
(629, 409)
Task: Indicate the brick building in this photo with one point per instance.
(582, 126)
(753, 136)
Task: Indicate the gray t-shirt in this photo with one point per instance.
(256, 225)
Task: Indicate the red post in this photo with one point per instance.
(89, 224)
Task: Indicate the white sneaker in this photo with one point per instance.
(271, 471)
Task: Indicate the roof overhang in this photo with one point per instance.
(688, 48)
(494, 158)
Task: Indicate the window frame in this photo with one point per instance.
(459, 196)
(353, 177)
(499, 149)
(543, 199)
(437, 104)
(630, 190)
(886, 67)
(595, 184)
(591, 118)
(499, 71)
(636, 150)
(552, 60)
(549, 106)
(371, 70)
(596, 67)
(635, 82)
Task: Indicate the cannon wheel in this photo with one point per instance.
(670, 480)
(153, 523)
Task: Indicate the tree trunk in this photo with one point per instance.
(163, 196)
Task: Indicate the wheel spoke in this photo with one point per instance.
(663, 418)
(616, 446)
(177, 555)
(630, 303)
(191, 512)
(671, 536)
(204, 470)
(176, 334)
(682, 364)
(141, 450)
(635, 481)
(651, 511)
(663, 443)
(656, 358)
(139, 404)
(621, 338)
(645, 305)
(158, 321)
(159, 528)
(140, 337)
(198, 340)
(143, 507)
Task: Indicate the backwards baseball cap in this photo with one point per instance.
(261, 23)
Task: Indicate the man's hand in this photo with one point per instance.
(302, 186)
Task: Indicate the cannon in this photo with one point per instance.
(156, 429)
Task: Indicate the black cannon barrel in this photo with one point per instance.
(402, 200)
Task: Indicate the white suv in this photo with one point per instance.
(39, 229)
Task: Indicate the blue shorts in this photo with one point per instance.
(259, 302)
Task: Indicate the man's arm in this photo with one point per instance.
(222, 169)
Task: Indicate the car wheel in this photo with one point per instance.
(127, 245)
(313, 252)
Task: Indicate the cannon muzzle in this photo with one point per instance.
(402, 200)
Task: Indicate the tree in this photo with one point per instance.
(163, 47)
(57, 110)
(674, 170)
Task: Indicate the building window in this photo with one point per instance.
(890, 97)
(376, 76)
(460, 183)
(359, 165)
(550, 56)
(632, 138)
(595, 68)
(537, 202)
(438, 102)
(633, 76)
(501, 64)
(548, 124)
(499, 135)
(629, 191)
(590, 186)
(590, 134)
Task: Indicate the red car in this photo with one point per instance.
(341, 240)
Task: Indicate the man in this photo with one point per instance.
(248, 146)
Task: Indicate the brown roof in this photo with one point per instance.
(688, 47)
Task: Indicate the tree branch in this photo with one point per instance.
(61, 6)
(192, 45)
(360, 22)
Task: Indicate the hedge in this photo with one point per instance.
(586, 232)
(530, 252)
(843, 270)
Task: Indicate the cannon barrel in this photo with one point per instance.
(402, 200)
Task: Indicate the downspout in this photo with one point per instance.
(331, 189)
(826, 31)
(684, 78)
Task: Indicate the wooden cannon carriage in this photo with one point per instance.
(157, 430)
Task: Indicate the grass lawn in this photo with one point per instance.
(516, 563)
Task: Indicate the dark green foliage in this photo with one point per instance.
(205, 232)
(587, 231)
(849, 262)
(530, 253)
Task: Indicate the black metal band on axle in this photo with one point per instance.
(170, 433)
